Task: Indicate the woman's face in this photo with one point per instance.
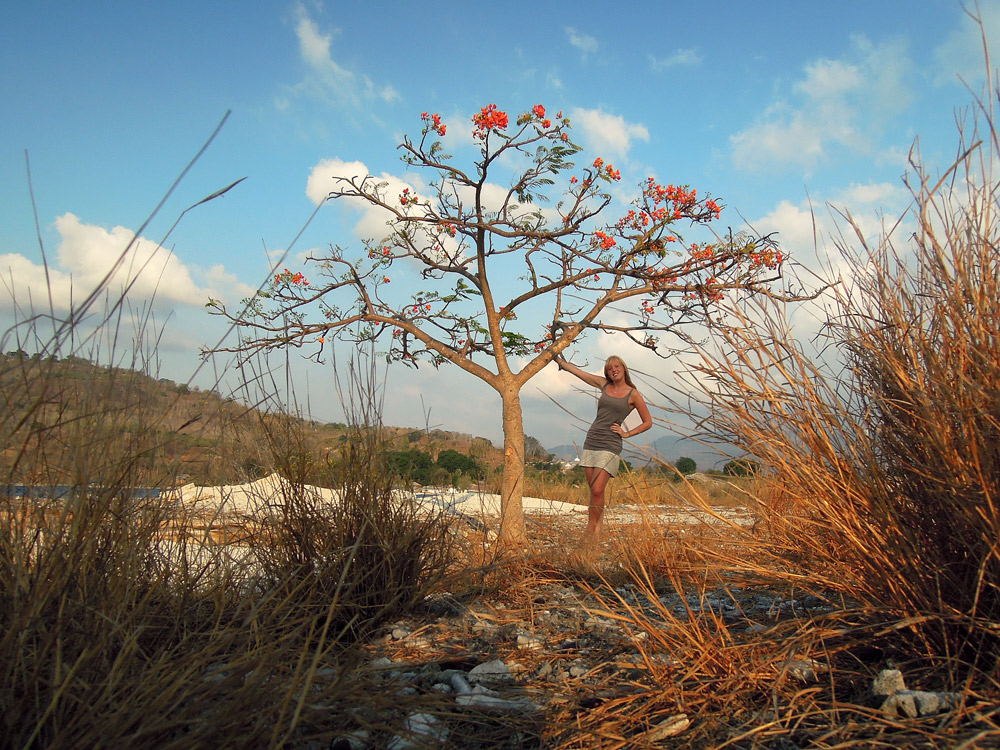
(615, 371)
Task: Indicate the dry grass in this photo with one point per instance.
(649, 488)
(886, 472)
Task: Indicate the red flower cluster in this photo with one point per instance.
(709, 292)
(606, 241)
(405, 199)
(434, 123)
(634, 220)
(660, 278)
(539, 111)
(287, 277)
(609, 171)
(768, 257)
(702, 252)
(487, 119)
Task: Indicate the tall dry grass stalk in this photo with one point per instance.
(884, 447)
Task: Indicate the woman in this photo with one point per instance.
(603, 446)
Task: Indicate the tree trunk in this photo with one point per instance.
(512, 531)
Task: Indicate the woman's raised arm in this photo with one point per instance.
(598, 381)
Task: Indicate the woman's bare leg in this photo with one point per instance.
(598, 480)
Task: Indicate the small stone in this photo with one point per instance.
(528, 641)
(804, 670)
(669, 727)
(578, 671)
(492, 702)
(382, 662)
(399, 634)
(887, 682)
(483, 690)
(912, 704)
(491, 671)
(421, 728)
(460, 684)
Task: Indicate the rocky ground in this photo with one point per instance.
(568, 651)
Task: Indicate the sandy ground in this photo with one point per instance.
(467, 503)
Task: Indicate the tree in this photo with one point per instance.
(686, 465)
(414, 465)
(455, 463)
(533, 448)
(468, 234)
(742, 467)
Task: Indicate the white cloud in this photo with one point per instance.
(816, 237)
(323, 177)
(326, 79)
(837, 104)
(801, 228)
(680, 58)
(372, 224)
(960, 56)
(218, 278)
(610, 135)
(586, 44)
(87, 253)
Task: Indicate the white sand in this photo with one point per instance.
(271, 490)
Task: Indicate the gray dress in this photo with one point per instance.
(610, 409)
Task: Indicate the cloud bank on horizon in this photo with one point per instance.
(778, 119)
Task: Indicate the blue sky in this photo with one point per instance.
(767, 106)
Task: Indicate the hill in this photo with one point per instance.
(171, 432)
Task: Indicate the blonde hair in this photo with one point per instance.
(619, 360)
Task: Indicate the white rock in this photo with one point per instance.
(483, 690)
(914, 703)
(669, 727)
(804, 670)
(421, 727)
(494, 703)
(460, 684)
(887, 682)
(491, 671)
